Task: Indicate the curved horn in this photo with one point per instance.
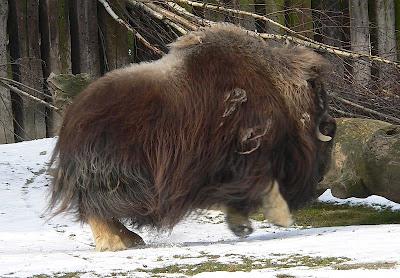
(322, 137)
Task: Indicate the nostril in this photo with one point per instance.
(328, 129)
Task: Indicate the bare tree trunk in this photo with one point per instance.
(299, 17)
(271, 9)
(6, 115)
(84, 37)
(360, 40)
(56, 47)
(329, 20)
(25, 49)
(56, 41)
(397, 17)
(386, 37)
(115, 40)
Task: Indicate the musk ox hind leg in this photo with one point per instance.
(112, 235)
(275, 208)
(238, 223)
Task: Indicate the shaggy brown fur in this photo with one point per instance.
(215, 121)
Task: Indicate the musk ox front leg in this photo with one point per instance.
(275, 208)
(238, 222)
(112, 235)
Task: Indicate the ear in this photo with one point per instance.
(311, 64)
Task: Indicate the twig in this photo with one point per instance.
(174, 17)
(348, 114)
(394, 119)
(18, 91)
(4, 79)
(239, 12)
(110, 11)
(327, 48)
(157, 14)
(183, 12)
(297, 38)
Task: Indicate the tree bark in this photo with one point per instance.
(273, 10)
(84, 37)
(360, 40)
(397, 16)
(329, 21)
(56, 41)
(25, 49)
(6, 115)
(56, 48)
(386, 38)
(115, 41)
(299, 17)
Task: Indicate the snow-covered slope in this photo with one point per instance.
(30, 244)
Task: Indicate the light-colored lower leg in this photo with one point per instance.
(112, 235)
(238, 223)
(275, 208)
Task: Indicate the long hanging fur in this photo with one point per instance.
(215, 121)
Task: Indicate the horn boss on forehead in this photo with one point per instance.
(223, 119)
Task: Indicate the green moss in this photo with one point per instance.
(376, 265)
(285, 276)
(67, 86)
(247, 264)
(329, 215)
(59, 275)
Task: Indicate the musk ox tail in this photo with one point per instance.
(63, 197)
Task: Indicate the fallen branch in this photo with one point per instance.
(327, 48)
(394, 119)
(348, 114)
(25, 94)
(176, 18)
(110, 11)
(183, 12)
(16, 83)
(158, 15)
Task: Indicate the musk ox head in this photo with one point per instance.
(223, 119)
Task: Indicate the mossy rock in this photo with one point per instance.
(366, 160)
(382, 162)
(64, 87)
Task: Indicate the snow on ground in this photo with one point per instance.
(374, 201)
(30, 244)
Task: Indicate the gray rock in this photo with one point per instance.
(366, 160)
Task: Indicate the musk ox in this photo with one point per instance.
(222, 119)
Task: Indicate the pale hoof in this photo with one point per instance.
(279, 218)
(120, 242)
(112, 235)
